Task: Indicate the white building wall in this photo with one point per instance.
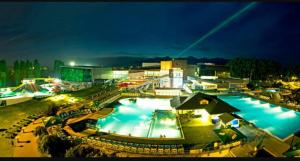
(168, 92)
(165, 82)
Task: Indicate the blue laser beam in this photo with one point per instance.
(220, 26)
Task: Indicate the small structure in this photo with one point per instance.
(204, 85)
(207, 107)
(168, 92)
(227, 120)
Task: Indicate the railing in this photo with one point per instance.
(147, 149)
(130, 94)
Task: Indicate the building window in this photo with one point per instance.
(203, 102)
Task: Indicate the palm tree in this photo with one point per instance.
(53, 145)
(84, 151)
(40, 131)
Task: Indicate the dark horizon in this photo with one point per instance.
(72, 31)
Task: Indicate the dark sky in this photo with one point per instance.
(73, 30)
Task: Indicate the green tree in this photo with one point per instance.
(251, 86)
(254, 69)
(3, 73)
(17, 72)
(23, 69)
(53, 145)
(52, 110)
(40, 131)
(36, 69)
(10, 78)
(57, 65)
(84, 151)
(29, 70)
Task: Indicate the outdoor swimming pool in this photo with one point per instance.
(273, 119)
(143, 117)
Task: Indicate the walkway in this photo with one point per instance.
(93, 116)
(271, 144)
(30, 149)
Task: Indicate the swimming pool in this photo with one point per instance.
(142, 117)
(273, 119)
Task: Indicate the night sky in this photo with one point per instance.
(69, 31)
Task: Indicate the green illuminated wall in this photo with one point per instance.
(76, 74)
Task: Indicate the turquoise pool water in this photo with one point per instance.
(138, 118)
(273, 119)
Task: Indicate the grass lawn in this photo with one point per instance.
(12, 114)
(199, 135)
(87, 92)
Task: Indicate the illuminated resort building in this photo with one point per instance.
(150, 64)
(203, 85)
(209, 109)
(152, 73)
(120, 74)
(212, 71)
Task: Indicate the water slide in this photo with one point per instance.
(13, 92)
(187, 89)
(26, 87)
(33, 87)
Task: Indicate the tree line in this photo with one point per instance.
(261, 69)
(22, 69)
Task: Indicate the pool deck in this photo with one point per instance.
(272, 144)
(30, 149)
(92, 116)
(198, 132)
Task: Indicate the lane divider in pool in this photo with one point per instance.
(151, 125)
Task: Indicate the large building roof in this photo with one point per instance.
(212, 104)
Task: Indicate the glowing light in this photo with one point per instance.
(123, 131)
(72, 63)
(144, 117)
(124, 101)
(57, 81)
(108, 127)
(168, 122)
(256, 102)
(138, 132)
(247, 99)
(217, 28)
(266, 105)
(287, 114)
(125, 109)
(135, 118)
(241, 115)
(253, 121)
(205, 116)
(116, 119)
(269, 129)
(276, 109)
(169, 133)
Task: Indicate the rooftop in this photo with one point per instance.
(214, 105)
(226, 117)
